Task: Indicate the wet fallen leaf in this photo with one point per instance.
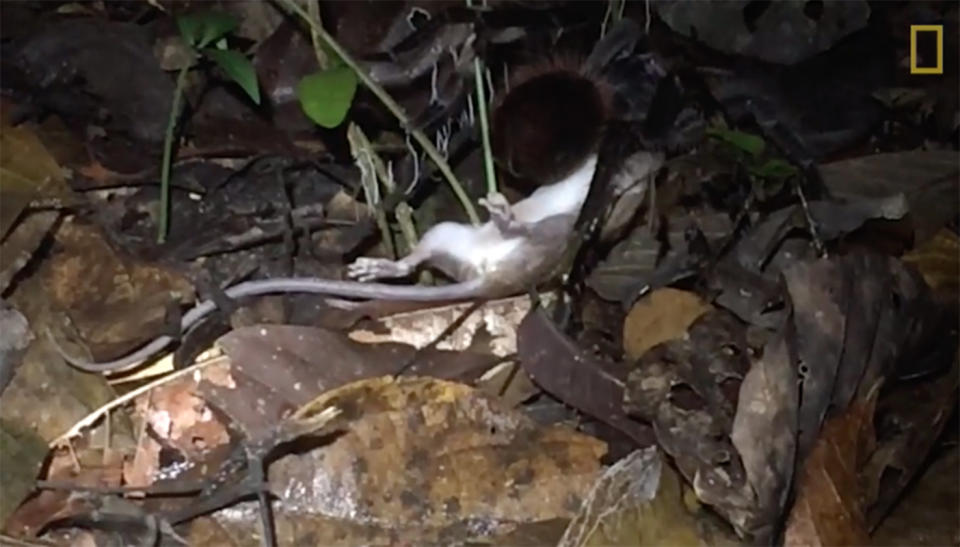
(662, 315)
(496, 321)
(179, 419)
(910, 419)
(27, 171)
(423, 459)
(114, 303)
(642, 260)
(928, 179)
(765, 435)
(927, 514)
(829, 506)
(21, 244)
(20, 460)
(98, 469)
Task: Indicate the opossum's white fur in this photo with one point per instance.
(485, 247)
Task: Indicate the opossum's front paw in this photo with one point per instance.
(368, 269)
(498, 206)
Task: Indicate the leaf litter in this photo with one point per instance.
(767, 355)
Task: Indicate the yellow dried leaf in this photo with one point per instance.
(938, 261)
(664, 314)
(27, 171)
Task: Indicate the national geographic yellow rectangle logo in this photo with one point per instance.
(914, 30)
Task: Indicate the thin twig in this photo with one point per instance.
(446, 332)
(392, 106)
(811, 223)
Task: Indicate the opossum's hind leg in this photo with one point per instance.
(369, 269)
(450, 240)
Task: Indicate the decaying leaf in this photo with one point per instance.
(925, 513)
(764, 434)
(181, 422)
(688, 389)
(119, 302)
(643, 261)
(638, 501)
(97, 468)
(422, 459)
(765, 243)
(819, 292)
(495, 323)
(928, 179)
(909, 420)
(829, 508)
(662, 315)
(19, 247)
(782, 33)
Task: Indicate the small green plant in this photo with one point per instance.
(751, 152)
(199, 31)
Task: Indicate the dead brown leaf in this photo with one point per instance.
(829, 505)
(111, 301)
(98, 469)
(423, 459)
(662, 315)
(176, 414)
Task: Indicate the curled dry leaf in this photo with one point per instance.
(764, 434)
(498, 319)
(423, 459)
(587, 383)
(662, 315)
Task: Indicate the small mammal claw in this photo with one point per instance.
(498, 206)
(368, 269)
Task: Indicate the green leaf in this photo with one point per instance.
(199, 29)
(326, 96)
(774, 169)
(747, 142)
(239, 68)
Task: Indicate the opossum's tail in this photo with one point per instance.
(345, 289)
